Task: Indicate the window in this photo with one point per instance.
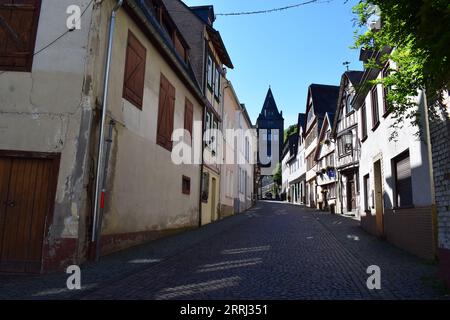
(331, 191)
(165, 114)
(311, 136)
(363, 122)
(215, 133)
(240, 180)
(345, 144)
(18, 28)
(210, 72)
(366, 186)
(385, 92)
(310, 162)
(357, 183)
(310, 113)
(348, 103)
(208, 128)
(217, 83)
(329, 160)
(167, 25)
(186, 185)
(403, 185)
(247, 149)
(205, 187)
(134, 78)
(188, 117)
(375, 111)
(180, 47)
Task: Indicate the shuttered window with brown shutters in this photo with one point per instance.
(133, 84)
(18, 27)
(165, 114)
(189, 117)
(403, 184)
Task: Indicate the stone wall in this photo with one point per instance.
(440, 139)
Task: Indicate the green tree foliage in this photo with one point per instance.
(419, 32)
(290, 131)
(277, 178)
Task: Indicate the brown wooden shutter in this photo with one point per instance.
(163, 93)
(166, 111)
(403, 183)
(18, 27)
(179, 47)
(133, 84)
(189, 116)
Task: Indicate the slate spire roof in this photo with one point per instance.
(270, 109)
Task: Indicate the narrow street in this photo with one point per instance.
(274, 251)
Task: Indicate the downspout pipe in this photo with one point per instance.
(200, 200)
(98, 199)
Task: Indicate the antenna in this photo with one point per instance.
(346, 64)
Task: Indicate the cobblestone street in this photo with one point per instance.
(274, 251)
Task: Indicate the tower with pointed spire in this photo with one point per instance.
(270, 127)
(271, 119)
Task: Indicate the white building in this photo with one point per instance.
(321, 99)
(325, 158)
(395, 182)
(348, 145)
(290, 168)
(246, 155)
(296, 165)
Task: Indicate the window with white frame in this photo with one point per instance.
(217, 83)
(210, 74)
(208, 127)
(214, 143)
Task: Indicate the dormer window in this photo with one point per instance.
(169, 26)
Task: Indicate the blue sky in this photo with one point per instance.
(287, 50)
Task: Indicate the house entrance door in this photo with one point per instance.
(27, 191)
(351, 195)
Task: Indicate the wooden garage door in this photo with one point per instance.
(27, 190)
